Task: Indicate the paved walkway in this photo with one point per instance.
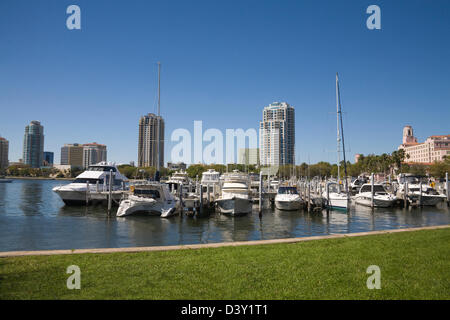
(210, 245)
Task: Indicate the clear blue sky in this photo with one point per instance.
(222, 62)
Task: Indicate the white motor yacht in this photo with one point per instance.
(381, 198)
(288, 198)
(94, 181)
(337, 199)
(430, 197)
(235, 197)
(152, 198)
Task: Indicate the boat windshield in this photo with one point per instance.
(287, 190)
(409, 179)
(376, 188)
(148, 193)
(90, 180)
(101, 168)
(333, 187)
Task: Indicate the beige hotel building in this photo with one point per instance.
(433, 149)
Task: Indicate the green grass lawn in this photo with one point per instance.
(414, 265)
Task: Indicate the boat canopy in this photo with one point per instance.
(287, 190)
(377, 188)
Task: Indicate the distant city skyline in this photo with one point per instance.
(223, 62)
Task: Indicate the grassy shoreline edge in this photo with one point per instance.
(414, 265)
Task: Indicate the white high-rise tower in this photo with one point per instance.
(277, 135)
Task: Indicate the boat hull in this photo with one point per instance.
(378, 203)
(432, 200)
(338, 203)
(288, 205)
(78, 197)
(234, 206)
(127, 208)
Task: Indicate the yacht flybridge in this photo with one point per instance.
(210, 177)
(179, 178)
(92, 186)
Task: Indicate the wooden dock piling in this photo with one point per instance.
(405, 195)
(110, 191)
(446, 189)
(87, 192)
(372, 182)
(309, 196)
(260, 194)
(201, 198)
(328, 196)
(420, 194)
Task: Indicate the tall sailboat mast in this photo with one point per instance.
(159, 87)
(338, 132)
(158, 128)
(338, 99)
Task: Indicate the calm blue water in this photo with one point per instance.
(32, 217)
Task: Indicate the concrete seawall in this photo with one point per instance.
(212, 245)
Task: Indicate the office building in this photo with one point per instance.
(72, 154)
(93, 153)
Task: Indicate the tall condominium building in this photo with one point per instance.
(72, 154)
(4, 149)
(433, 149)
(277, 135)
(93, 153)
(33, 145)
(149, 127)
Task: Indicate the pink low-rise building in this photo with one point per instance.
(433, 149)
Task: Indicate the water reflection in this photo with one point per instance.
(33, 217)
(3, 191)
(31, 197)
